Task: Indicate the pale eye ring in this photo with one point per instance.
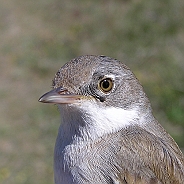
(106, 85)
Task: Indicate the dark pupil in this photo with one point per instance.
(105, 84)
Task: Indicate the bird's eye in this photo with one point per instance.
(106, 84)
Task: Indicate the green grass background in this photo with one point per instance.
(38, 37)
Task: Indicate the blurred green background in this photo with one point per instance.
(38, 37)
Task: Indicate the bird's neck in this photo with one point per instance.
(89, 122)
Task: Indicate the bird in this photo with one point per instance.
(108, 133)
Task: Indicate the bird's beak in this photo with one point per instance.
(59, 96)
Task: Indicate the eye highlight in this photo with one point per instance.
(105, 85)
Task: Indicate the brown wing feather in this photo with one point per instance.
(146, 158)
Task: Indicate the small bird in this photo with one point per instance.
(108, 133)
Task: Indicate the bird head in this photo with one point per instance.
(101, 89)
(99, 78)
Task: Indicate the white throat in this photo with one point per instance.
(93, 121)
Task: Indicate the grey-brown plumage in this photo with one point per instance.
(108, 134)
